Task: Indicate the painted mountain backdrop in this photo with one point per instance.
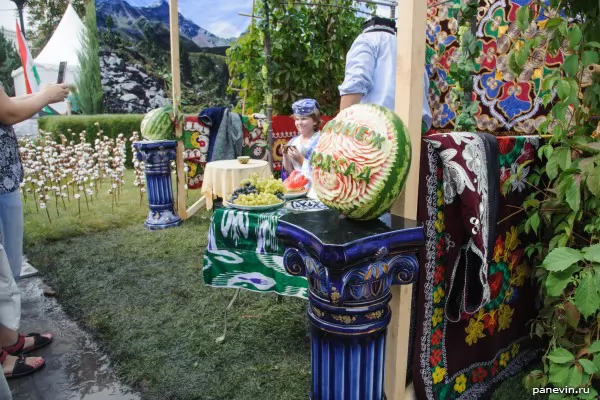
(135, 52)
(137, 19)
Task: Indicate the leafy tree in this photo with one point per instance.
(44, 16)
(110, 23)
(309, 43)
(89, 88)
(20, 5)
(9, 61)
(564, 211)
(185, 64)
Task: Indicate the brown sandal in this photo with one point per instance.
(19, 347)
(21, 367)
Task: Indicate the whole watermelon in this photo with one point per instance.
(360, 164)
(157, 125)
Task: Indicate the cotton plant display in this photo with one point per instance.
(73, 170)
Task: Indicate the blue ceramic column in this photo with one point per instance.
(157, 156)
(350, 267)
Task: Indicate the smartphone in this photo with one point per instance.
(62, 69)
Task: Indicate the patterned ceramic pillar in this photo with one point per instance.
(350, 267)
(157, 156)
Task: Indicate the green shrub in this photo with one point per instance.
(111, 124)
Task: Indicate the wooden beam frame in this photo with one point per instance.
(410, 69)
(176, 92)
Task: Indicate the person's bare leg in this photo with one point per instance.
(9, 364)
(8, 338)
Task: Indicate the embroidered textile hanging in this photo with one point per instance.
(508, 104)
(496, 300)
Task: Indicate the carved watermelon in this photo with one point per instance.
(157, 125)
(361, 161)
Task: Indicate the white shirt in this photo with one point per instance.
(371, 71)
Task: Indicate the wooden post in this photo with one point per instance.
(410, 69)
(269, 88)
(248, 79)
(176, 89)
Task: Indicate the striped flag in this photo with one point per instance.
(32, 79)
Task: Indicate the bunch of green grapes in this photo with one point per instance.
(257, 199)
(258, 191)
(252, 180)
(265, 185)
(270, 185)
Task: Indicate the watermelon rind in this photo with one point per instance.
(157, 125)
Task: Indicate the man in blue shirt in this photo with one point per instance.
(370, 75)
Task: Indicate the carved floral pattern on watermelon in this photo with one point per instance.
(361, 161)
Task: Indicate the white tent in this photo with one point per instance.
(63, 46)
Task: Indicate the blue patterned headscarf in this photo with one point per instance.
(305, 107)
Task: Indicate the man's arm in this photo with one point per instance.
(358, 76)
(350, 100)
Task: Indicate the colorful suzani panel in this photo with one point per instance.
(508, 104)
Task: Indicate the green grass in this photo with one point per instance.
(141, 295)
(102, 214)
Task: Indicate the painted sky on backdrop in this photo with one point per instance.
(218, 17)
(221, 17)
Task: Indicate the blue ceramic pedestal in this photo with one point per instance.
(350, 267)
(157, 156)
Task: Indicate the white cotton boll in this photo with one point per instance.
(77, 196)
(114, 185)
(143, 190)
(47, 198)
(42, 205)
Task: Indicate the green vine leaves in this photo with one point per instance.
(564, 211)
(463, 69)
(308, 44)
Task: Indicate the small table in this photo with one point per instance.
(221, 178)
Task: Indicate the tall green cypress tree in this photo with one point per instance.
(89, 89)
(9, 61)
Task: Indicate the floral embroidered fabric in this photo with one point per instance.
(508, 104)
(464, 359)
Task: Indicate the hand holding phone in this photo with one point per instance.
(56, 93)
(62, 69)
